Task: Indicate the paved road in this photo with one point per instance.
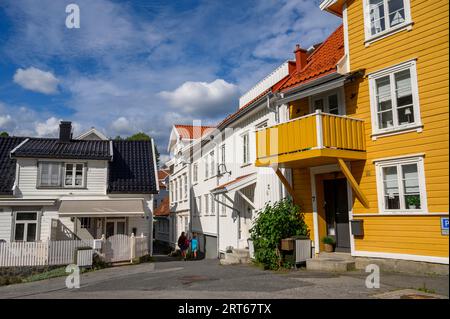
(209, 279)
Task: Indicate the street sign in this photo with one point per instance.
(444, 225)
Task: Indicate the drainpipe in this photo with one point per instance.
(272, 109)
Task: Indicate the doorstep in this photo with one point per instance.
(336, 262)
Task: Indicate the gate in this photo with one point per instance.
(117, 248)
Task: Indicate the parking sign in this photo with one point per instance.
(444, 225)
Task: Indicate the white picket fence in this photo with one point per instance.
(51, 253)
(48, 253)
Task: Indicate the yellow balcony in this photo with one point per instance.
(311, 140)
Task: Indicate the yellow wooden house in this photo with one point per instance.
(364, 132)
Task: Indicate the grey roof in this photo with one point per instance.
(7, 164)
(54, 148)
(133, 168)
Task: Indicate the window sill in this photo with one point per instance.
(405, 26)
(60, 187)
(400, 130)
(245, 165)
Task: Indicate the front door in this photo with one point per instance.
(115, 227)
(336, 210)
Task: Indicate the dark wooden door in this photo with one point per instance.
(336, 210)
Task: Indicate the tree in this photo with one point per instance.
(141, 136)
(4, 134)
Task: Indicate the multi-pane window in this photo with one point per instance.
(74, 175)
(401, 185)
(85, 222)
(180, 185)
(328, 103)
(199, 205)
(185, 186)
(395, 102)
(26, 226)
(206, 167)
(206, 204)
(213, 163)
(176, 190)
(172, 198)
(222, 154)
(50, 174)
(385, 15)
(223, 208)
(213, 204)
(245, 149)
(195, 172)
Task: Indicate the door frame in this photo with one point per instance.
(115, 220)
(316, 170)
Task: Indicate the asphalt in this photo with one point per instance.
(170, 278)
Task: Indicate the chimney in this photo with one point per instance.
(300, 57)
(65, 131)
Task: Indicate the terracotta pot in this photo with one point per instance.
(329, 248)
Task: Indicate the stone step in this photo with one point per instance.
(241, 252)
(330, 264)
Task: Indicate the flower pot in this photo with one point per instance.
(329, 248)
(412, 206)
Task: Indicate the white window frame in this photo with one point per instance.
(223, 208)
(25, 223)
(85, 222)
(417, 124)
(180, 188)
(213, 205)
(406, 25)
(176, 190)
(205, 160)
(213, 164)
(206, 196)
(59, 164)
(185, 184)
(195, 173)
(324, 95)
(245, 148)
(223, 153)
(83, 176)
(199, 206)
(379, 165)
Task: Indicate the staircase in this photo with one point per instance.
(338, 262)
(237, 256)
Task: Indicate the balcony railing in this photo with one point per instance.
(317, 135)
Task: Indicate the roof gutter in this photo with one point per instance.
(11, 154)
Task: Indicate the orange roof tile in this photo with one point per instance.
(163, 209)
(237, 179)
(193, 132)
(162, 174)
(321, 62)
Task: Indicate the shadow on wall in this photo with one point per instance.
(59, 231)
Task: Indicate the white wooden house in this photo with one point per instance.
(66, 188)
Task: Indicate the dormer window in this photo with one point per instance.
(56, 174)
(74, 175)
(50, 174)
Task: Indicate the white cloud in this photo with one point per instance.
(6, 121)
(202, 98)
(121, 126)
(49, 128)
(36, 80)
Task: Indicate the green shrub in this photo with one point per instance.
(328, 240)
(281, 220)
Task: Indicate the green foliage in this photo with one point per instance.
(328, 240)
(413, 200)
(275, 222)
(4, 134)
(141, 136)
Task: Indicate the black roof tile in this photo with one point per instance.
(133, 169)
(7, 164)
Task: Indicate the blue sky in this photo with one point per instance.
(142, 65)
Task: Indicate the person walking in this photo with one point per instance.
(194, 245)
(183, 244)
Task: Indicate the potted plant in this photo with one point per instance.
(413, 201)
(328, 243)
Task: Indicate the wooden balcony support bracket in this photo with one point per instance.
(246, 199)
(348, 174)
(284, 181)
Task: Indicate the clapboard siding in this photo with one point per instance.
(5, 223)
(428, 43)
(28, 174)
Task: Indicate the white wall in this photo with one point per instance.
(97, 181)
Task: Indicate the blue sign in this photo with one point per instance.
(444, 225)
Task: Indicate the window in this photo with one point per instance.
(395, 99)
(401, 185)
(195, 173)
(180, 185)
(50, 174)
(222, 154)
(329, 102)
(172, 199)
(26, 226)
(213, 164)
(74, 175)
(223, 208)
(206, 204)
(245, 149)
(199, 199)
(85, 222)
(385, 16)
(185, 186)
(176, 190)
(206, 168)
(213, 205)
